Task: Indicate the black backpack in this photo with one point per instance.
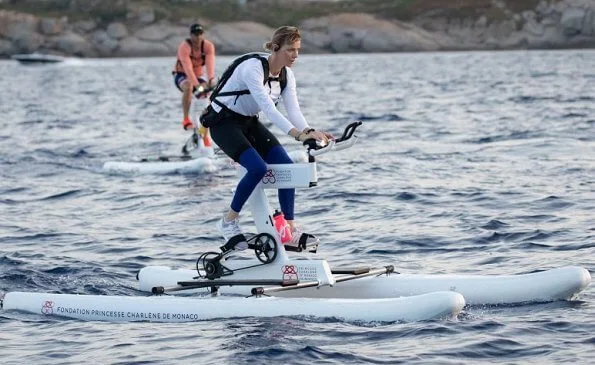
(229, 71)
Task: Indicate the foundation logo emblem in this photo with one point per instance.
(289, 273)
(47, 307)
(269, 177)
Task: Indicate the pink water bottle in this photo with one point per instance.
(282, 226)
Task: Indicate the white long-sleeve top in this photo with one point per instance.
(249, 75)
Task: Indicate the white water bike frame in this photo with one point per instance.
(286, 176)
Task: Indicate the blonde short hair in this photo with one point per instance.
(283, 35)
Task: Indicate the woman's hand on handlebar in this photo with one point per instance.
(320, 136)
(328, 135)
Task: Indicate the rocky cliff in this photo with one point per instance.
(551, 24)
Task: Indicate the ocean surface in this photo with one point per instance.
(476, 163)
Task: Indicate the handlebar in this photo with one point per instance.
(346, 140)
(349, 130)
(201, 90)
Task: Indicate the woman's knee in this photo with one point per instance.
(277, 154)
(253, 163)
(258, 169)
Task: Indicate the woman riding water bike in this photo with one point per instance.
(254, 83)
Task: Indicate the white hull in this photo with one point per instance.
(37, 58)
(177, 309)
(196, 165)
(550, 285)
(201, 160)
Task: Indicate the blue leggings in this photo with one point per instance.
(257, 167)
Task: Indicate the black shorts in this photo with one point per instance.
(180, 76)
(234, 137)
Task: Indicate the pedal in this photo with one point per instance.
(311, 249)
(303, 244)
(233, 242)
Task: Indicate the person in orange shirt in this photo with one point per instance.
(194, 54)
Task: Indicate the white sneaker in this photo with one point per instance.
(301, 241)
(231, 231)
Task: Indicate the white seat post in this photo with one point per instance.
(278, 176)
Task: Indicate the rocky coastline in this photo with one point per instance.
(551, 25)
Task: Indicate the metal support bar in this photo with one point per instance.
(197, 284)
(309, 284)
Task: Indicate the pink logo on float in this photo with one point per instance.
(269, 177)
(47, 307)
(289, 273)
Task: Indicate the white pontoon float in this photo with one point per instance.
(195, 158)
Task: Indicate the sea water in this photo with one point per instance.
(469, 162)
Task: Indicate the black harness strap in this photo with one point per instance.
(282, 79)
(203, 55)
